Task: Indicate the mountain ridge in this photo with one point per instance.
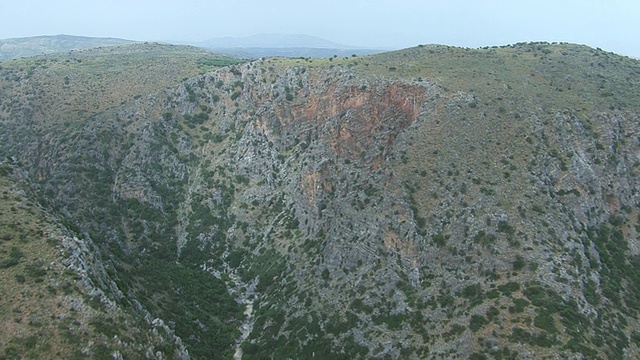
(30, 46)
(287, 45)
(250, 47)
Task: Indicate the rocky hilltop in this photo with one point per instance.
(434, 202)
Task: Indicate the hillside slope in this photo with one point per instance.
(433, 202)
(54, 291)
(38, 45)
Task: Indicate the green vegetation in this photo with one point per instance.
(519, 305)
(217, 61)
(477, 322)
(204, 313)
(621, 274)
(45, 314)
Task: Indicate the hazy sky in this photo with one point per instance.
(613, 25)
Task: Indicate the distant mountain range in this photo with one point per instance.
(256, 46)
(36, 45)
(286, 45)
(261, 52)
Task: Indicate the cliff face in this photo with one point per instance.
(434, 202)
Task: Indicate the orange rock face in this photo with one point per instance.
(355, 119)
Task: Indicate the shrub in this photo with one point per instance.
(537, 208)
(519, 305)
(519, 263)
(288, 95)
(439, 239)
(505, 227)
(325, 274)
(492, 312)
(546, 322)
(484, 238)
(15, 253)
(200, 118)
(509, 287)
(7, 263)
(477, 322)
(472, 291)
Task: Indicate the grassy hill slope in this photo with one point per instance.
(38, 45)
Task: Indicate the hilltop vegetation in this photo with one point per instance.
(79, 84)
(37, 45)
(434, 202)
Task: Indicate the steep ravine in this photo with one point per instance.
(379, 207)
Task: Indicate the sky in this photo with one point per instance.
(613, 25)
